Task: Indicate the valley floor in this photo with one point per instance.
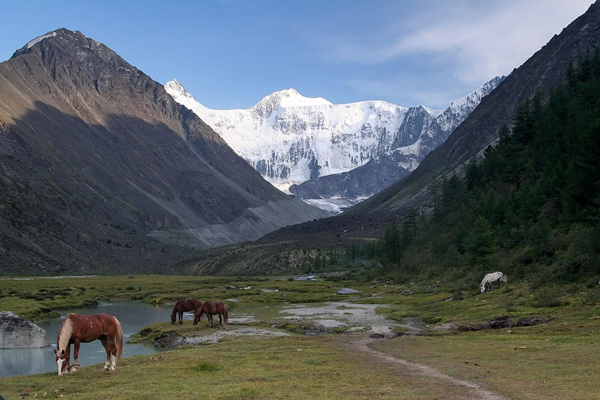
(297, 340)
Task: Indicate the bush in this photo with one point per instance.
(592, 296)
(550, 298)
(457, 295)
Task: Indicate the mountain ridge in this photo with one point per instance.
(101, 170)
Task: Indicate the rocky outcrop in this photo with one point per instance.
(18, 333)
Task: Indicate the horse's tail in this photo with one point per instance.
(225, 313)
(119, 338)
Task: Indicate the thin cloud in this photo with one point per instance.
(475, 40)
(403, 90)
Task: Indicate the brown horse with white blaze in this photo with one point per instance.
(211, 308)
(184, 305)
(77, 329)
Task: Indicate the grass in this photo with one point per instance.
(293, 368)
(527, 363)
(553, 361)
(206, 366)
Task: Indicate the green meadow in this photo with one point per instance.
(554, 360)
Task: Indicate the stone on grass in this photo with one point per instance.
(347, 291)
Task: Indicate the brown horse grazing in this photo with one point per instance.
(76, 329)
(211, 308)
(184, 305)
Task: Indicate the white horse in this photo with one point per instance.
(488, 279)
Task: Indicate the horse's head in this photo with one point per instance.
(173, 318)
(198, 317)
(61, 361)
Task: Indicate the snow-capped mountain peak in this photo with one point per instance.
(291, 98)
(286, 99)
(176, 90)
(291, 139)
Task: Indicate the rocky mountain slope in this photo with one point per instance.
(101, 170)
(313, 144)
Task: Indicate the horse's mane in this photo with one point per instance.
(64, 335)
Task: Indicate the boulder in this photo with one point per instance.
(18, 333)
(347, 291)
(306, 278)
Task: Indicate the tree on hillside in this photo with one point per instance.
(481, 246)
(531, 203)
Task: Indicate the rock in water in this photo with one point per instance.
(18, 333)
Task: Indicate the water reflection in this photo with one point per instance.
(131, 315)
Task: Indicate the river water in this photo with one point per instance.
(132, 316)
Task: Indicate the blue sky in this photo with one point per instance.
(231, 53)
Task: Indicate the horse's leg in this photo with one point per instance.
(106, 345)
(220, 319)
(210, 318)
(113, 352)
(180, 317)
(76, 344)
(68, 358)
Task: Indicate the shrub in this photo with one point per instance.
(592, 296)
(547, 297)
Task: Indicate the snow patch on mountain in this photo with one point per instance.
(38, 39)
